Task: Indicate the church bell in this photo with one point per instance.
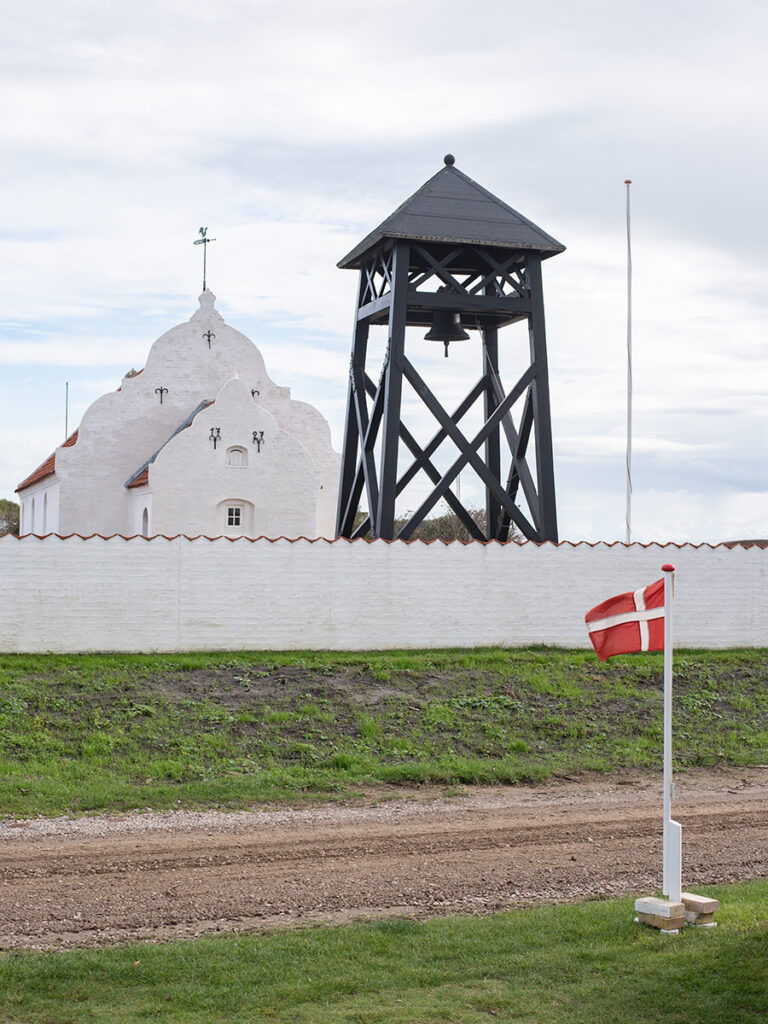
(446, 327)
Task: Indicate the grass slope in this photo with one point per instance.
(568, 964)
(95, 732)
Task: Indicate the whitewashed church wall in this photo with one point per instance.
(310, 427)
(96, 594)
(277, 482)
(141, 512)
(120, 431)
(39, 507)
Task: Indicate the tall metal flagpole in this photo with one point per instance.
(672, 858)
(628, 182)
(66, 410)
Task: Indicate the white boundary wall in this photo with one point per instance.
(69, 594)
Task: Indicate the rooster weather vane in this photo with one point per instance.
(204, 240)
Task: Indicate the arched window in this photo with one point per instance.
(237, 456)
(145, 523)
(32, 518)
(45, 512)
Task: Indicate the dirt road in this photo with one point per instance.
(96, 881)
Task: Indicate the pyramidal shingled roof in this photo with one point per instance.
(451, 207)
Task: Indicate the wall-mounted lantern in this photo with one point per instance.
(215, 436)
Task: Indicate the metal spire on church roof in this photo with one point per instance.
(203, 240)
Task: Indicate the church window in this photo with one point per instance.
(234, 517)
(45, 512)
(32, 518)
(237, 456)
(145, 523)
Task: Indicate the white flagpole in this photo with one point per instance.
(628, 182)
(672, 866)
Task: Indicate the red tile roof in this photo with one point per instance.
(47, 468)
(140, 480)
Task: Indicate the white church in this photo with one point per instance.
(200, 442)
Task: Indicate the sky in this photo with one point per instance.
(291, 129)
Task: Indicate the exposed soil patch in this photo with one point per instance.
(243, 686)
(94, 881)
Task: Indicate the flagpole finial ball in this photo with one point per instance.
(627, 181)
(449, 159)
(667, 567)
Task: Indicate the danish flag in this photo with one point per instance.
(629, 622)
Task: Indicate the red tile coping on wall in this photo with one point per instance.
(47, 468)
(140, 480)
(360, 540)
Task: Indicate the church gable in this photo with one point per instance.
(235, 472)
(141, 476)
(111, 480)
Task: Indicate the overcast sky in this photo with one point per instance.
(291, 129)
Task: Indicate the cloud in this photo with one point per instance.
(126, 126)
(600, 446)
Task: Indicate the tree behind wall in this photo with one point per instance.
(446, 527)
(9, 516)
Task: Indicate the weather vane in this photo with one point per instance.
(203, 240)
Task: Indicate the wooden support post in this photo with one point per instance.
(352, 440)
(542, 424)
(383, 523)
(492, 445)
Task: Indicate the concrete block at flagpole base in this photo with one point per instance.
(700, 920)
(664, 924)
(699, 910)
(699, 904)
(667, 915)
(659, 906)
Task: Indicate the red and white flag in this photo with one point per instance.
(629, 622)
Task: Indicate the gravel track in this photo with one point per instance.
(157, 876)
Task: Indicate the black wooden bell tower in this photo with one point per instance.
(452, 258)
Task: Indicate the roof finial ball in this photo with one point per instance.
(449, 159)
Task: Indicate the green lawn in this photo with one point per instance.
(579, 964)
(100, 732)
